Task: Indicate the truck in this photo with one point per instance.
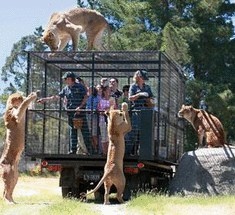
(161, 136)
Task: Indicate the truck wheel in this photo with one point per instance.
(72, 192)
(126, 194)
(132, 186)
(76, 191)
(82, 189)
(99, 196)
(66, 192)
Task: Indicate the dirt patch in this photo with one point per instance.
(32, 186)
(29, 186)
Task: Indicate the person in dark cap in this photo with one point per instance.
(139, 93)
(69, 75)
(115, 92)
(75, 95)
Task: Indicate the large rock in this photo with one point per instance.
(205, 171)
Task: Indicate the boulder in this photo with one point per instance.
(206, 171)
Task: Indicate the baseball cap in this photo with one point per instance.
(142, 73)
(69, 75)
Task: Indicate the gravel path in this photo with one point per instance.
(115, 209)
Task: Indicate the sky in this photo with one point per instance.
(21, 18)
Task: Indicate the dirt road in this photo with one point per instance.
(32, 186)
(28, 186)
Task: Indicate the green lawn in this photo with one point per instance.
(39, 196)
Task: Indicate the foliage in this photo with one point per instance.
(175, 45)
(219, 100)
(15, 68)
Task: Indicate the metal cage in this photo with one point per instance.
(161, 135)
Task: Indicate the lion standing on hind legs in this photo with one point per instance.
(118, 125)
(14, 118)
(205, 124)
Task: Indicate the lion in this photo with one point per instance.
(205, 124)
(118, 125)
(66, 26)
(14, 119)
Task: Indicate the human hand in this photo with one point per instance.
(144, 94)
(41, 101)
(77, 110)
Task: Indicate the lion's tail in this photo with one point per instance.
(101, 180)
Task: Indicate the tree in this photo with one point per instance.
(132, 28)
(198, 34)
(175, 45)
(15, 68)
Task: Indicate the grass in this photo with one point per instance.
(177, 205)
(41, 195)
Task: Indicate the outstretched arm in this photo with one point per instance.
(50, 98)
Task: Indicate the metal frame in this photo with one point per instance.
(166, 77)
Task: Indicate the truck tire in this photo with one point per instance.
(66, 181)
(99, 196)
(127, 194)
(73, 192)
(132, 186)
(66, 191)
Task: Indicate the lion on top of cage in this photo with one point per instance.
(66, 26)
(14, 119)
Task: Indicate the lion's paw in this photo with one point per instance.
(33, 95)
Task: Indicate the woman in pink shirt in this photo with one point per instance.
(104, 104)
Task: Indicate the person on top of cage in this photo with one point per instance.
(75, 95)
(139, 94)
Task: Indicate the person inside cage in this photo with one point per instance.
(104, 104)
(92, 117)
(139, 95)
(75, 95)
(125, 94)
(115, 92)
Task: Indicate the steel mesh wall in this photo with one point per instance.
(47, 129)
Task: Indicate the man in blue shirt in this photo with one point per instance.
(139, 93)
(75, 97)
